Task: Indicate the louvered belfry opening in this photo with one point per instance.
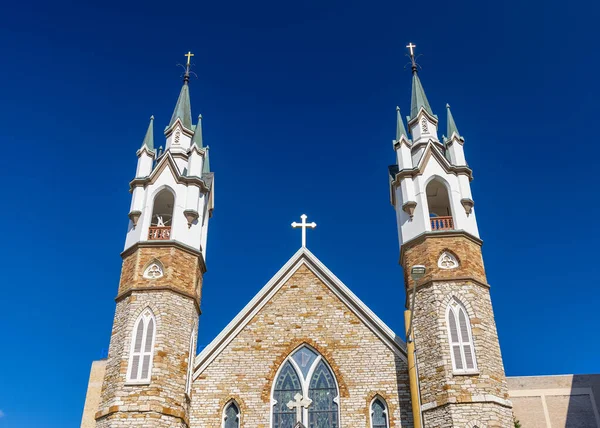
(438, 201)
(461, 340)
(162, 216)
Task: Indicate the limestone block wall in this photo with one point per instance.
(92, 397)
(304, 310)
(174, 300)
(450, 399)
(556, 401)
(176, 318)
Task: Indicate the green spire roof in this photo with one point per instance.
(451, 127)
(419, 99)
(183, 109)
(197, 139)
(400, 130)
(149, 138)
(206, 166)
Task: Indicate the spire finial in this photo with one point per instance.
(411, 48)
(186, 76)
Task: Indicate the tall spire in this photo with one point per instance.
(197, 139)
(419, 99)
(451, 126)
(183, 109)
(149, 138)
(400, 130)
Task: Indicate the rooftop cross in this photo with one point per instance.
(189, 57)
(411, 48)
(304, 225)
(298, 402)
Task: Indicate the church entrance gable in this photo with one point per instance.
(303, 325)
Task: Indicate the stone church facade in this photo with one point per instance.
(305, 351)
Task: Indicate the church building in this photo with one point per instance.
(306, 351)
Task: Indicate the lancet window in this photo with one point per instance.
(306, 391)
(142, 348)
(461, 340)
(379, 413)
(231, 415)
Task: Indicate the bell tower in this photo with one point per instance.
(153, 342)
(460, 380)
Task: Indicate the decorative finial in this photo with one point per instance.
(413, 61)
(397, 108)
(186, 75)
(152, 117)
(447, 105)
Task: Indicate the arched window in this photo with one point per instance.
(461, 340)
(379, 413)
(191, 355)
(231, 415)
(162, 215)
(142, 348)
(438, 202)
(305, 386)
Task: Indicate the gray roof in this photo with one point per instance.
(149, 138)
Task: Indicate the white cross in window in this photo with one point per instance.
(304, 225)
(299, 403)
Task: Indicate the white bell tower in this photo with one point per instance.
(172, 192)
(430, 183)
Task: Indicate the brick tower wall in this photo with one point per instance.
(174, 300)
(450, 399)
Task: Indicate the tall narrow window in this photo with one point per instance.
(305, 391)
(379, 416)
(191, 355)
(461, 340)
(142, 347)
(231, 415)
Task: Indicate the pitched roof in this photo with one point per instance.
(418, 99)
(183, 109)
(451, 125)
(149, 137)
(303, 257)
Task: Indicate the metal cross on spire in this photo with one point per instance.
(411, 48)
(304, 225)
(186, 76)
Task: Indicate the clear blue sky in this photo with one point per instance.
(298, 103)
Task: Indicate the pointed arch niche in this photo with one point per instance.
(154, 270)
(462, 349)
(141, 352)
(448, 260)
(162, 215)
(231, 415)
(379, 413)
(438, 201)
(305, 375)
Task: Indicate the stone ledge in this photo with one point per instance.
(166, 411)
(441, 234)
(479, 398)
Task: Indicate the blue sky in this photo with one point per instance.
(299, 105)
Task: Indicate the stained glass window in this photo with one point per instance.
(231, 417)
(304, 357)
(287, 385)
(323, 411)
(378, 414)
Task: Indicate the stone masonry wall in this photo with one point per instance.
(452, 399)
(304, 310)
(174, 301)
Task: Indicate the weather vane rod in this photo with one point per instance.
(186, 75)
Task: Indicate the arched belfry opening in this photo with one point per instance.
(438, 201)
(162, 215)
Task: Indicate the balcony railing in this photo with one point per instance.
(442, 223)
(159, 233)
